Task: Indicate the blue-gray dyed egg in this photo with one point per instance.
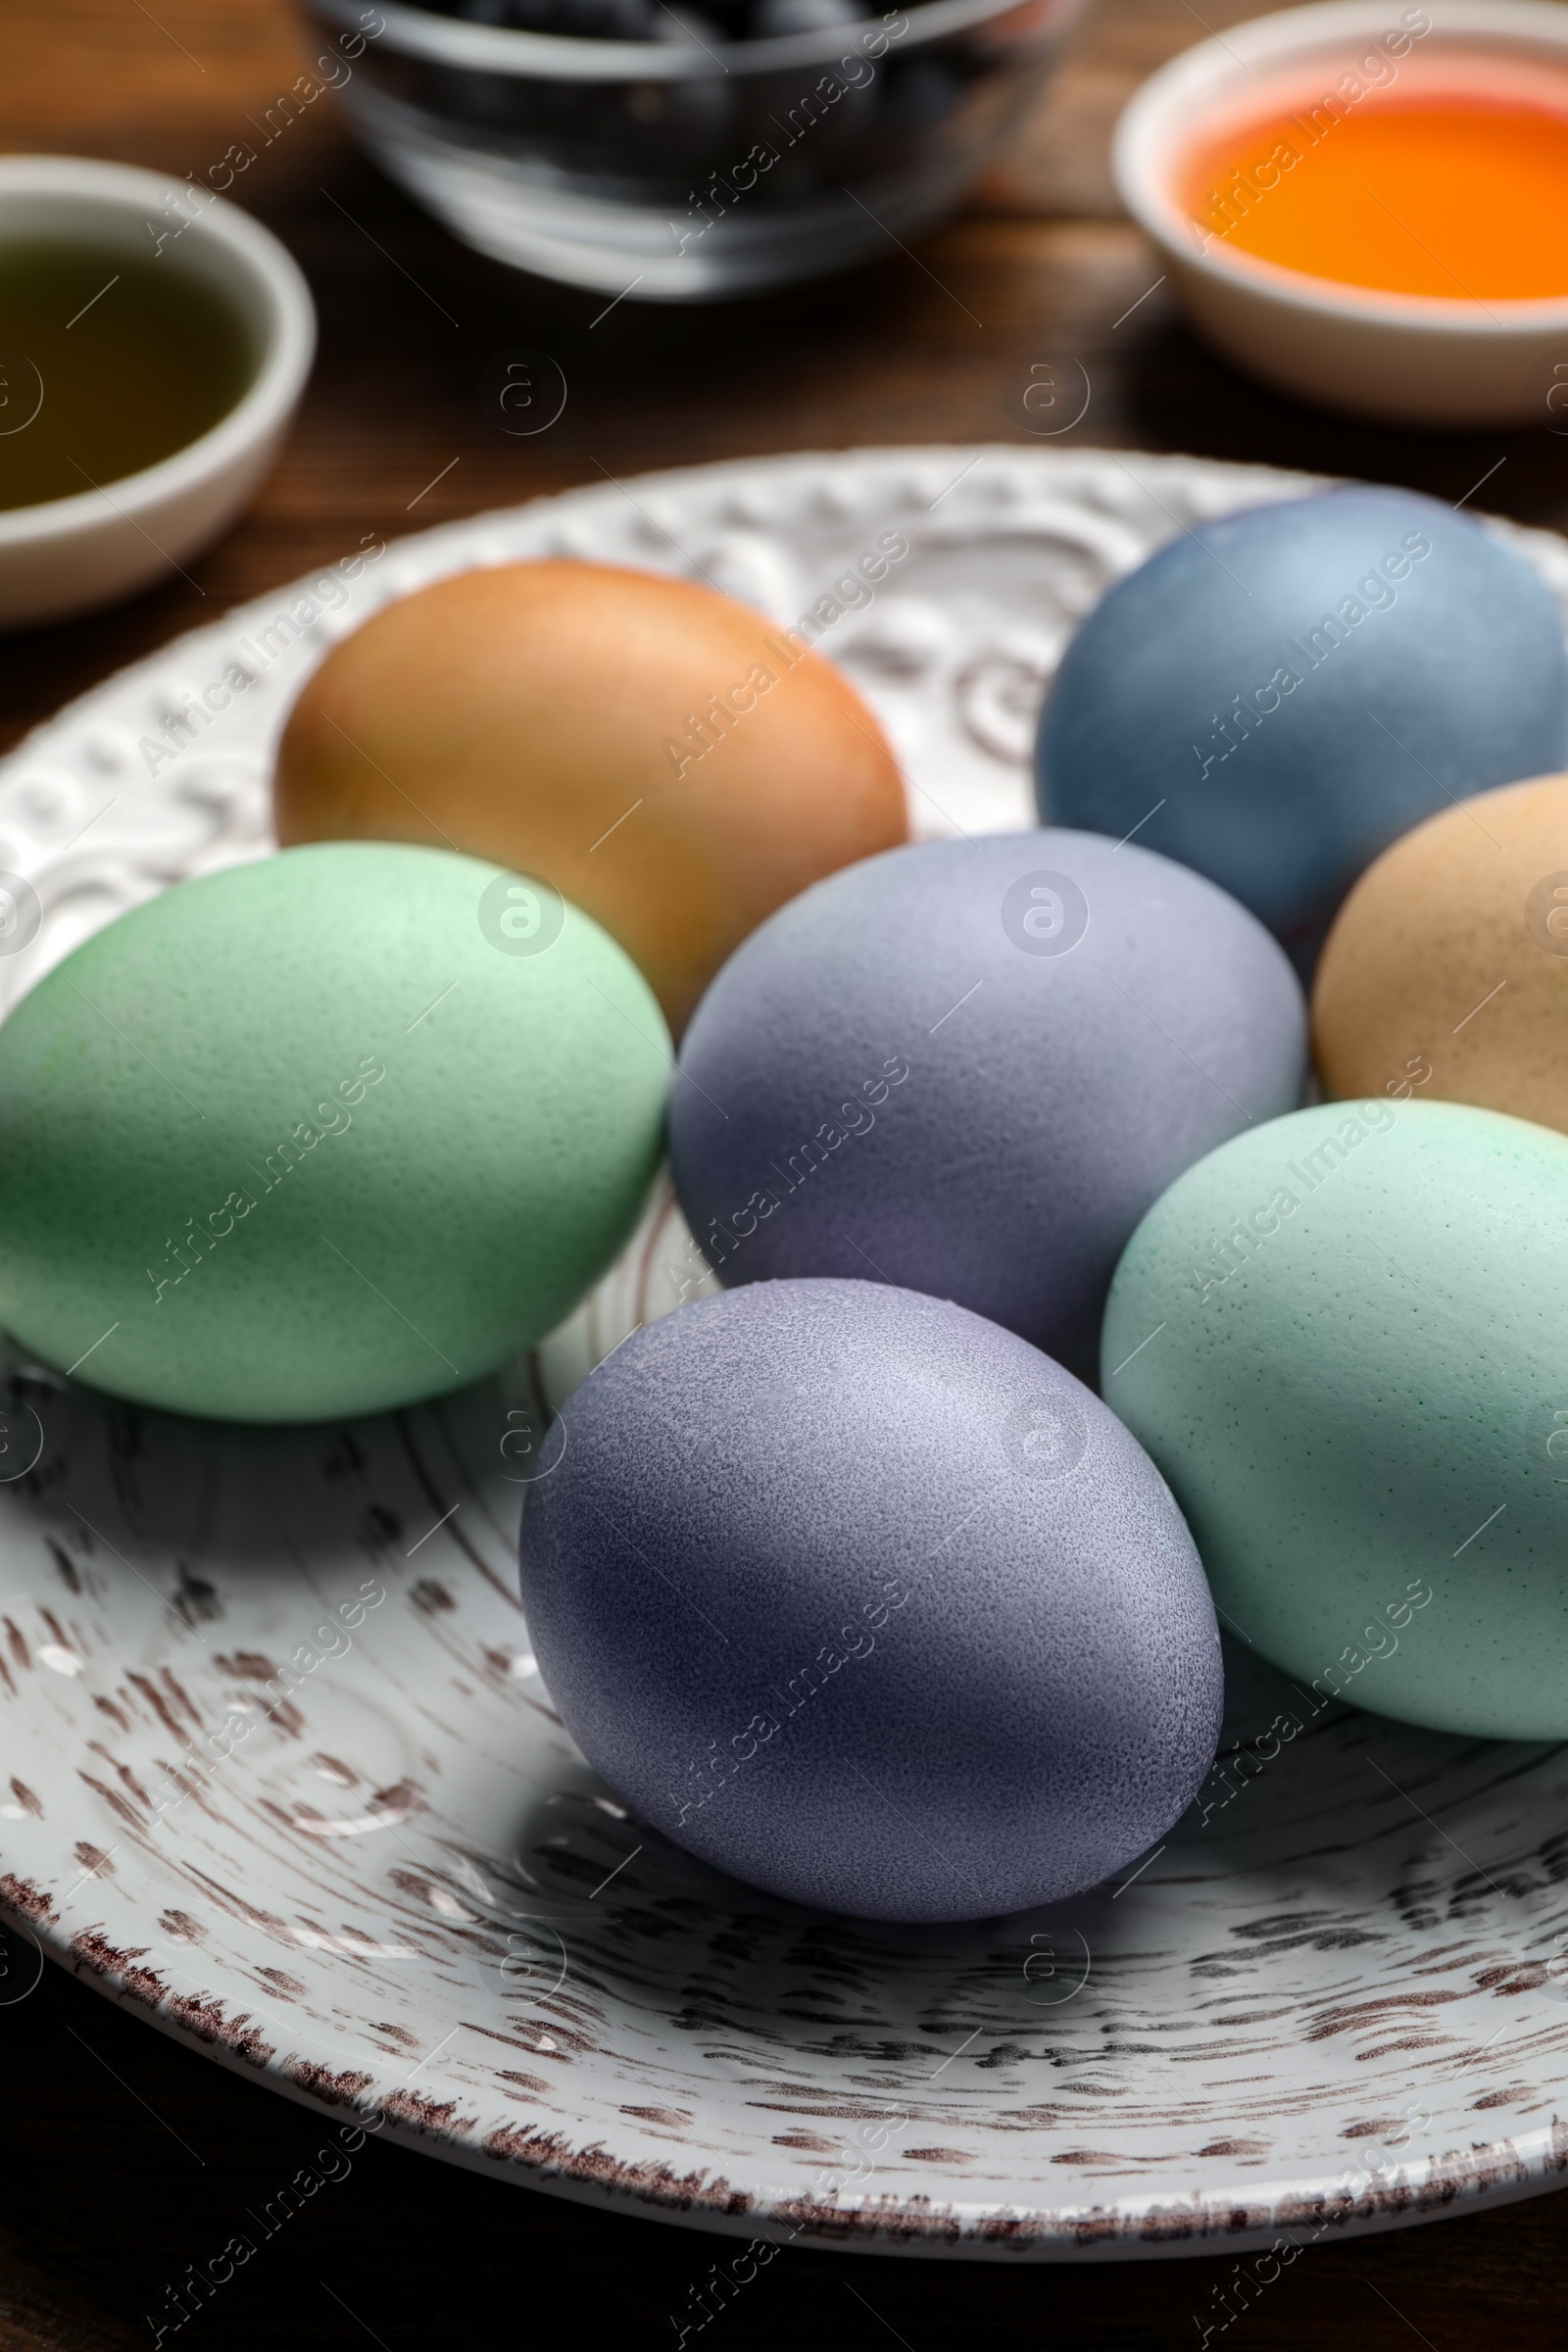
(1277, 695)
(968, 1067)
(865, 1601)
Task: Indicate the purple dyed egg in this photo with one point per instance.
(969, 1067)
(865, 1601)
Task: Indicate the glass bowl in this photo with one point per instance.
(689, 169)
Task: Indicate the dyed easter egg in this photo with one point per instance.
(1449, 961)
(671, 761)
(321, 1135)
(1339, 1337)
(863, 1599)
(968, 1067)
(1276, 695)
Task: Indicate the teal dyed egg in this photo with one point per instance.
(323, 1134)
(1342, 1337)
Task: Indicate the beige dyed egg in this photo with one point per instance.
(676, 763)
(1448, 967)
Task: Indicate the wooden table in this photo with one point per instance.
(128, 2157)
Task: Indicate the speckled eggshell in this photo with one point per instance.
(968, 1067)
(673, 761)
(1276, 695)
(316, 1135)
(1342, 1337)
(863, 1599)
(1449, 961)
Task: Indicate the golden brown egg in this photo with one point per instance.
(1448, 965)
(673, 762)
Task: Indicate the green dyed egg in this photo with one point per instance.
(323, 1134)
(1344, 1337)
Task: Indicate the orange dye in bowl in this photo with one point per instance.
(1454, 184)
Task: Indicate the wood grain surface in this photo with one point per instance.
(127, 2157)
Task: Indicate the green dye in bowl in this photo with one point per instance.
(108, 361)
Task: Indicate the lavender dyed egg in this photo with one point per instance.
(969, 1067)
(863, 1599)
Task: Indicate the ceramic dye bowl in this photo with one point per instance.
(1409, 359)
(72, 555)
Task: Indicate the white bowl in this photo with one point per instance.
(70, 554)
(1412, 359)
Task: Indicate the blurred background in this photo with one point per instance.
(935, 343)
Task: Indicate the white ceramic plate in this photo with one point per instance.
(392, 1888)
